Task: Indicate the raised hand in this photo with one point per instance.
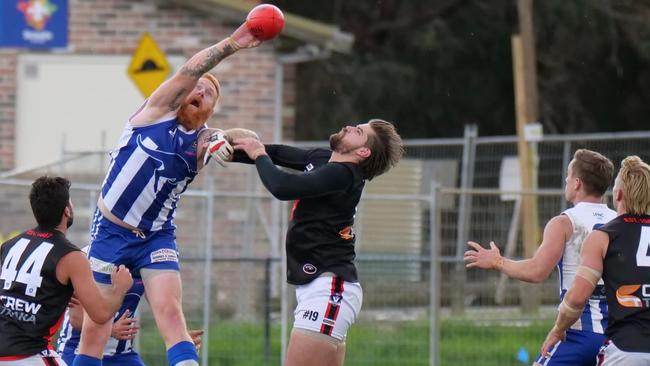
(483, 258)
(244, 38)
(218, 149)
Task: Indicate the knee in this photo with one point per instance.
(171, 312)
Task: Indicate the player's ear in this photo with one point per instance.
(578, 183)
(364, 152)
(618, 195)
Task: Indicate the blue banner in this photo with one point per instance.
(34, 23)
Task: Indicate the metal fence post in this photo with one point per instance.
(284, 292)
(566, 158)
(434, 279)
(207, 274)
(267, 310)
(464, 212)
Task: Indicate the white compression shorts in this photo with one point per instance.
(610, 355)
(51, 359)
(328, 305)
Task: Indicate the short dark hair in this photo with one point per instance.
(48, 197)
(385, 146)
(595, 170)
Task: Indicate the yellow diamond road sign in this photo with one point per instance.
(149, 66)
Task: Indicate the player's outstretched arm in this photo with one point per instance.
(169, 96)
(535, 269)
(288, 186)
(589, 272)
(100, 305)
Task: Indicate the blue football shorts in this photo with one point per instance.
(112, 245)
(580, 349)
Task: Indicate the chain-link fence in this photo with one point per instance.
(445, 192)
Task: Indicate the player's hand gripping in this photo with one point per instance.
(218, 149)
(243, 38)
(483, 258)
(121, 279)
(196, 337)
(253, 148)
(554, 336)
(125, 328)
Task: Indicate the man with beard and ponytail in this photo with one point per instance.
(162, 148)
(320, 239)
(40, 270)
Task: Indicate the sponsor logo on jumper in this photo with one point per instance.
(164, 255)
(309, 268)
(328, 321)
(39, 234)
(599, 215)
(629, 296)
(636, 220)
(19, 309)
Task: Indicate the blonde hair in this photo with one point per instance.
(634, 180)
(213, 79)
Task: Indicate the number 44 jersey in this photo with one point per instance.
(32, 300)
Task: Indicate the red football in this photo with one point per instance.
(265, 21)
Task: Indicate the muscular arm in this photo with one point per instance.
(100, 305)
(535, 269)
(593, 251)
(168, 97)
(289, 186)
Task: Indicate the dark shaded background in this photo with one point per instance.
(432, 66)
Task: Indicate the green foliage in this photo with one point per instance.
(433, 66)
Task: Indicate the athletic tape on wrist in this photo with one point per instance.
(567, 309)
(589, 274)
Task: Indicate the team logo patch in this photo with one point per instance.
(336, 299)
(309, 268)
(164, 255)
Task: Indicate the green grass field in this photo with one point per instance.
(462, 343)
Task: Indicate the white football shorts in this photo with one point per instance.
(328, 305)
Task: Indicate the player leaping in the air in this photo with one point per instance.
(159, 153)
